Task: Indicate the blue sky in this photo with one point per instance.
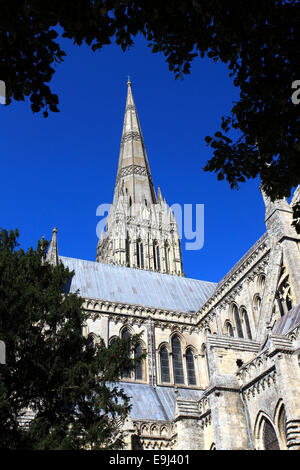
(56, 171)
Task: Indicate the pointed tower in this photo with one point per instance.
(141, 230)
(52, 253)
(133, 169)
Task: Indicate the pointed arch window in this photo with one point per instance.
(229, 329)
(177, 361)
(167, 256)
(270, 440)
(190, 367)
(139, 366)
(139, 253)
(156, 259)
(257, 302)
(164, 365)
(261, 282)
(127, 250)
(244, 316)
(282, 426)
(237, 321)
(125, 335)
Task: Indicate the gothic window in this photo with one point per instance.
(125, 335)
(282, 425)
(167, 257)
(177, 361)
(139, 366)
(229, 329)
(261, 282)
(257, 302)
(164, 365)
(244, 316)
(127, 250)
(270, 441)
(237, 321)
(190, 367)
(139, 253)
(156, 259)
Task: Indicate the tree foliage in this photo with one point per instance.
(68, 382)
(258, 40)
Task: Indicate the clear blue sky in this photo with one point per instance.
(56, 171)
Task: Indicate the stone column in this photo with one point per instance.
(151, 352)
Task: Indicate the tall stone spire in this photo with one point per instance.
(52, 253)
(133, 169)
(141, 231)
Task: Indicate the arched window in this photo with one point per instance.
(167, 256)
(156, 259)
(139, 365)
(282, 425)
(139, 254)
(270, 441)
(190, 367)
(125, 335)
(127, 250)
(244, 316)
(261, 281)
(257, 302)
(229, 329)
(164, 365)
(237, 321)
(177, 361)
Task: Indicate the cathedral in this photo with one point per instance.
(222, 370)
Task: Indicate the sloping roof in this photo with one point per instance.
(155, 403)
(288, 322)
(136, 286)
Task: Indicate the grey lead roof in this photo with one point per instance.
(155, 403)
(137, 286)
(288, 322)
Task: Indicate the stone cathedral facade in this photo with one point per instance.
(223, 360)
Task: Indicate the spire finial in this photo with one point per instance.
(128, 81)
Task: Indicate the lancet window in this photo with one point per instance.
(190, 367)
(167, 256)
(245, 318)
(177, 361)
(237, 321)
(164, 365)
(156, 259)
(139, 254)
(140, 368)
